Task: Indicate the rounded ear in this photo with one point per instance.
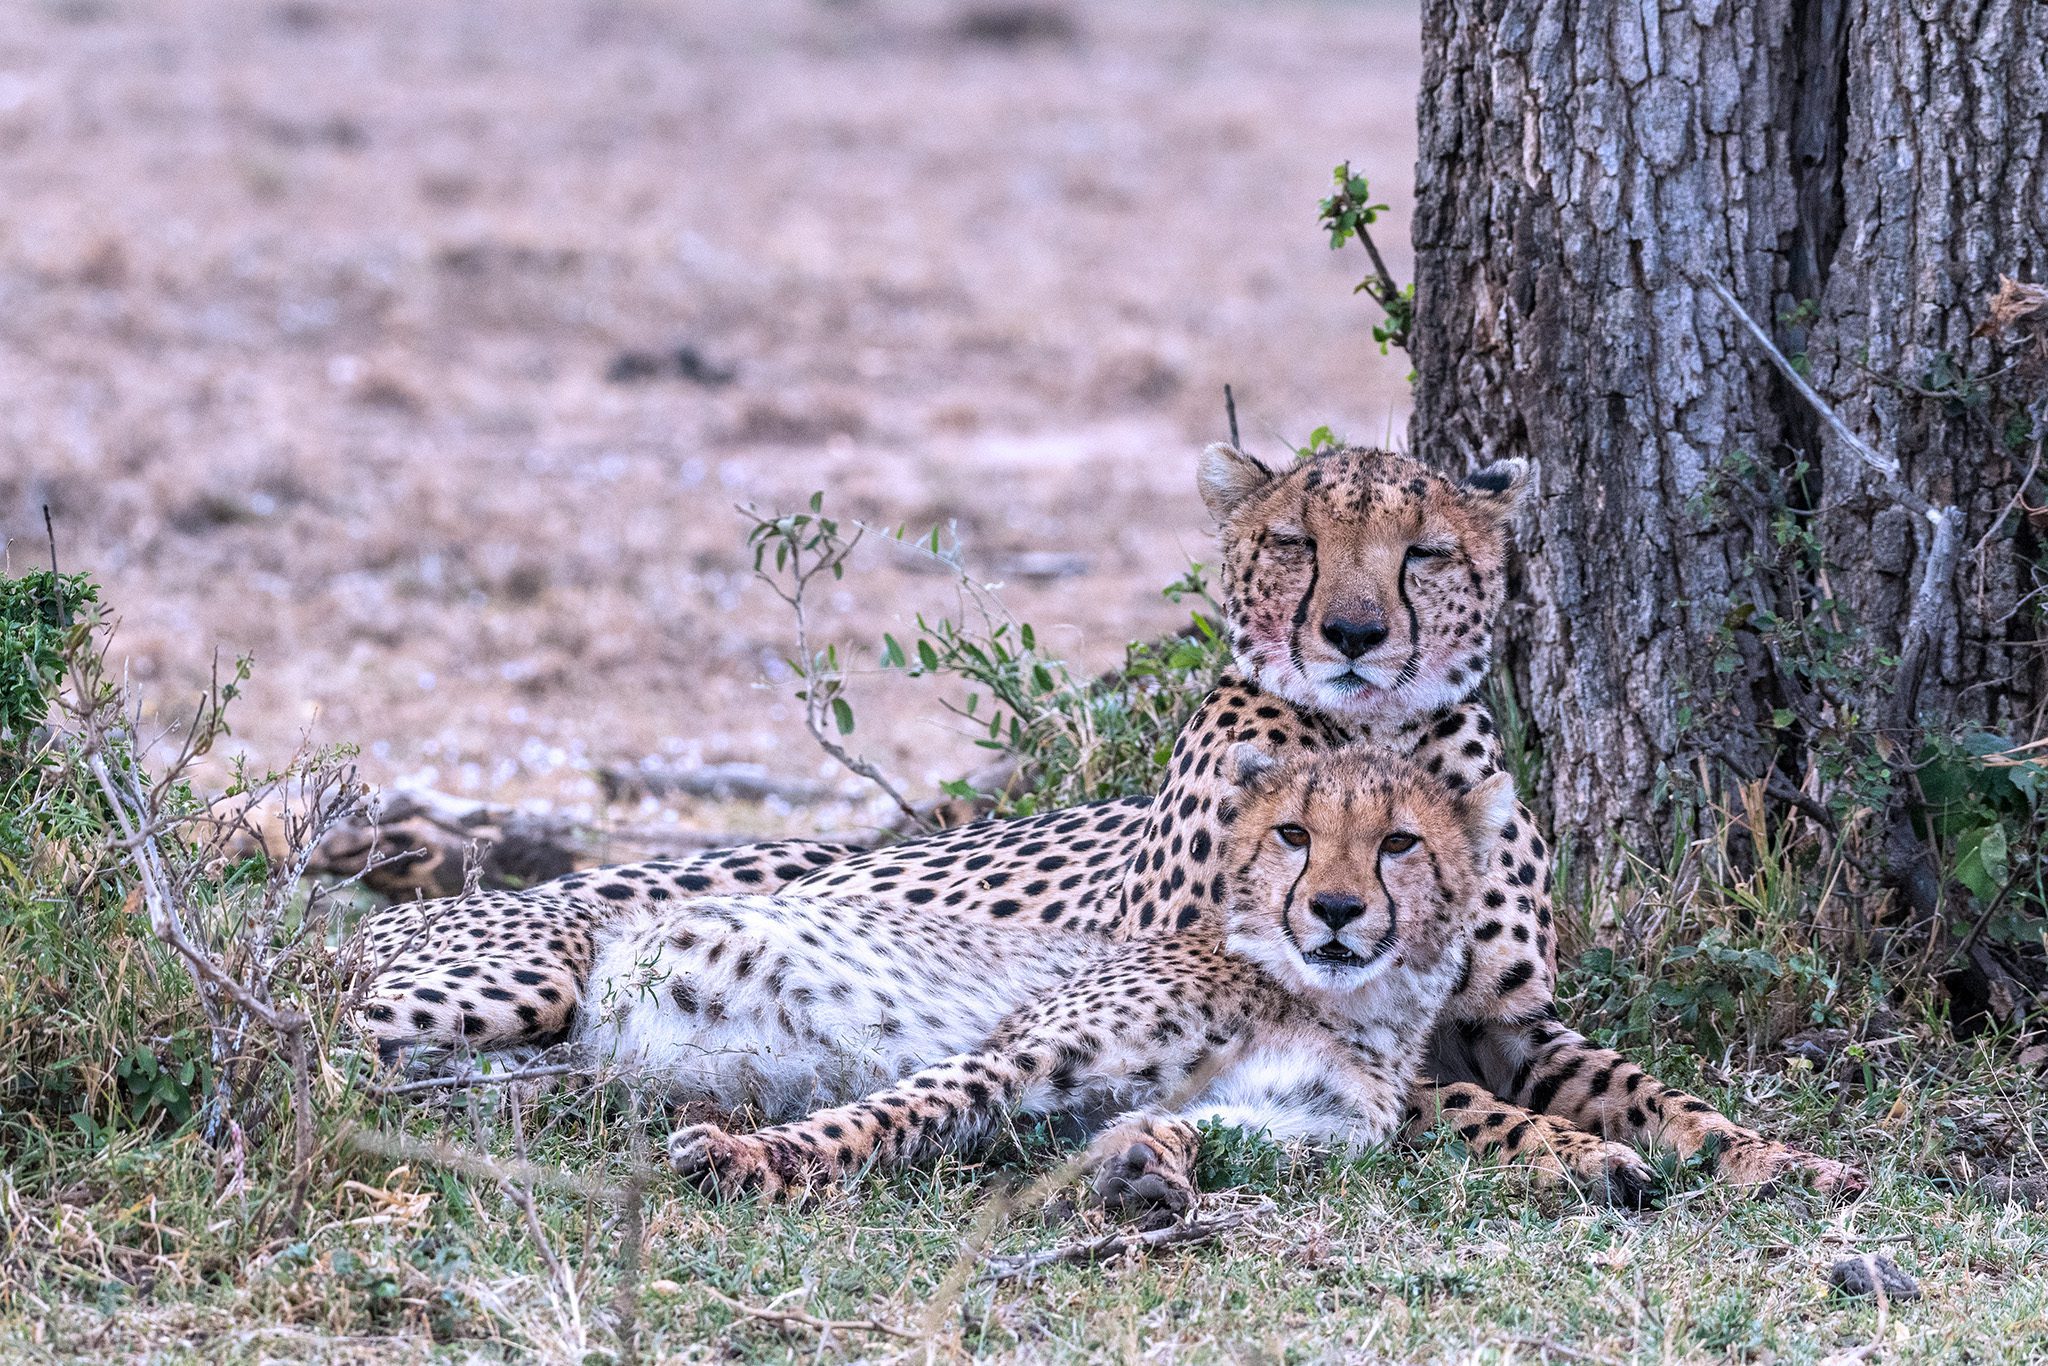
(1496, 491)
(1486, 808)
(1251, 769)
(1227, 477)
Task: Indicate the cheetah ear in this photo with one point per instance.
(1496, 491)
(1251, 769)
(1486, 807)
(1227, 477)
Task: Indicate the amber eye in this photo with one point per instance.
(1293, 836)
(1400, 842)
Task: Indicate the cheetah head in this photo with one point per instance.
(1353, 862)
(1361, 584)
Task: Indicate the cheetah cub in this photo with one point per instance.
(1349, 875)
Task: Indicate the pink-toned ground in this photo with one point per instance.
(307, 310)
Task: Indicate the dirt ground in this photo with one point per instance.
(312, 317)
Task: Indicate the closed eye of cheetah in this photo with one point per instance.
(1349, 884)
(1360, 589)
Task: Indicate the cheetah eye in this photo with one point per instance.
(1290, 540)
(1429, 552)
(1293, 836)
(1400, 842)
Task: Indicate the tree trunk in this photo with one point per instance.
(1859, 173)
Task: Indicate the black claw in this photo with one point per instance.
(1630, 1190)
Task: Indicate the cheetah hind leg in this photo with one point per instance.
(1144, 1166)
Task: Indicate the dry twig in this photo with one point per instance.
(1197, 1228)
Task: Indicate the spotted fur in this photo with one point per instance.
(1302, 1013)
(1360, 590)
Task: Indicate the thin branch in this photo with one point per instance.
(797, 1318)
(1230, 412)
(163, 911)
(1387, 290)
(1888, 466)
(522, 1196)
(1200, 1228)
(1928, 615)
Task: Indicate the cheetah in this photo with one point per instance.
(1304, 1016)
(1359, 589)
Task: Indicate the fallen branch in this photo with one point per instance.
(797, 1318)
(1199, 1228)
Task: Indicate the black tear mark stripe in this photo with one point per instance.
(1408, 669)
(1393, 911)
(1315, 570)
(1287, 906)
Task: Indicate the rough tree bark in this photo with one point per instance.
(1859, 173)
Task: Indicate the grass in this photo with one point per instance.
(179, 1188)
(1398, 1255)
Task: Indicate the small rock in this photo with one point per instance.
(1861, 1276)
(1015, 24)
(1042, 566)
(684, 363)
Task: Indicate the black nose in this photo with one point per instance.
(1353, 638)
(1336, 909)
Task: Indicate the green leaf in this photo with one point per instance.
(1982, 861)
(842, 715)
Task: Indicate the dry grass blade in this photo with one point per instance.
(472, 1163)
(797, 1318)
(1198, 1228)
(476, 1079)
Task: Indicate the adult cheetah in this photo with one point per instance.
(1360, 588)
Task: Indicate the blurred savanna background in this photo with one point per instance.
(423, 352)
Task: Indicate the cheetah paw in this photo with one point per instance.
(722, 1165)
(1135, 1180)
(1613, 1173)
(1767, 1165)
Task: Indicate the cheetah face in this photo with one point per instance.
(1361, 584)
(1354, 863)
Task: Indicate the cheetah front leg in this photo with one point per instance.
(1555, 1070)
(933, 1109)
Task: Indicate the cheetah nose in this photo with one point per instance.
(1353, 638)
(1336, 909)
